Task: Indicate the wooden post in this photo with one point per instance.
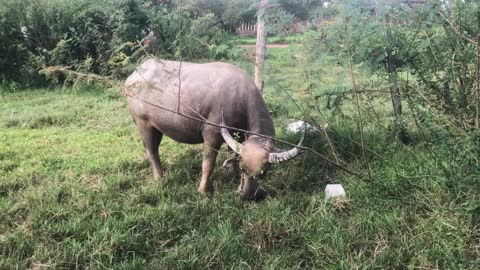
(261, 45)
(477, 76)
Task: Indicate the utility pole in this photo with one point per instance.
(261, 45)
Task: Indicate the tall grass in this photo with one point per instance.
(77, 192)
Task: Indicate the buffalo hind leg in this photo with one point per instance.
(151, 138)
(210, 152)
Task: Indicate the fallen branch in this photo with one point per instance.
(357, 102)
(316, 124)
(55, 70)
(455, 29)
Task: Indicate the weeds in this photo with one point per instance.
(77, 192)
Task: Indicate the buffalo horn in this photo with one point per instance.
(231, 142)
(286, 155)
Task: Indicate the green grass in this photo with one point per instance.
(77, 192)
(249, 40)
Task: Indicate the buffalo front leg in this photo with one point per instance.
(151, 138)
(209, 156)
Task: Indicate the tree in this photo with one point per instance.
(132, 21)
(301, 9)
(261, 45)
(13, 54)
(228, 13)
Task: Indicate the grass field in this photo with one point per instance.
(76, 192)
(251, 40)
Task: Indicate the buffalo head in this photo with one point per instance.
(256, 156)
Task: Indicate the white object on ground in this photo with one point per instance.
(334, 191)
(298, 126)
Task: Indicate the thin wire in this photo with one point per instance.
(206, 121)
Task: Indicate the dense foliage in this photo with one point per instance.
(42, 38)
(105, 37)
(425, 52)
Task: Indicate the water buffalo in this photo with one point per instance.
(217, 92)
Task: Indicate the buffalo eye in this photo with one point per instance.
(242, 168)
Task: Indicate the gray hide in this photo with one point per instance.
(206, 91)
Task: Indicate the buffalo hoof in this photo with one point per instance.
(160, 175)
(207, 190)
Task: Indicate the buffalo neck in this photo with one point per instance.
(259, 119)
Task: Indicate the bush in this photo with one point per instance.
(13, 53)
(427, 59)
(104, 38)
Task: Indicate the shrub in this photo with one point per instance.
(101, 38)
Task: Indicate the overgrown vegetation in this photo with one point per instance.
(77, 192)
(108, 37)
